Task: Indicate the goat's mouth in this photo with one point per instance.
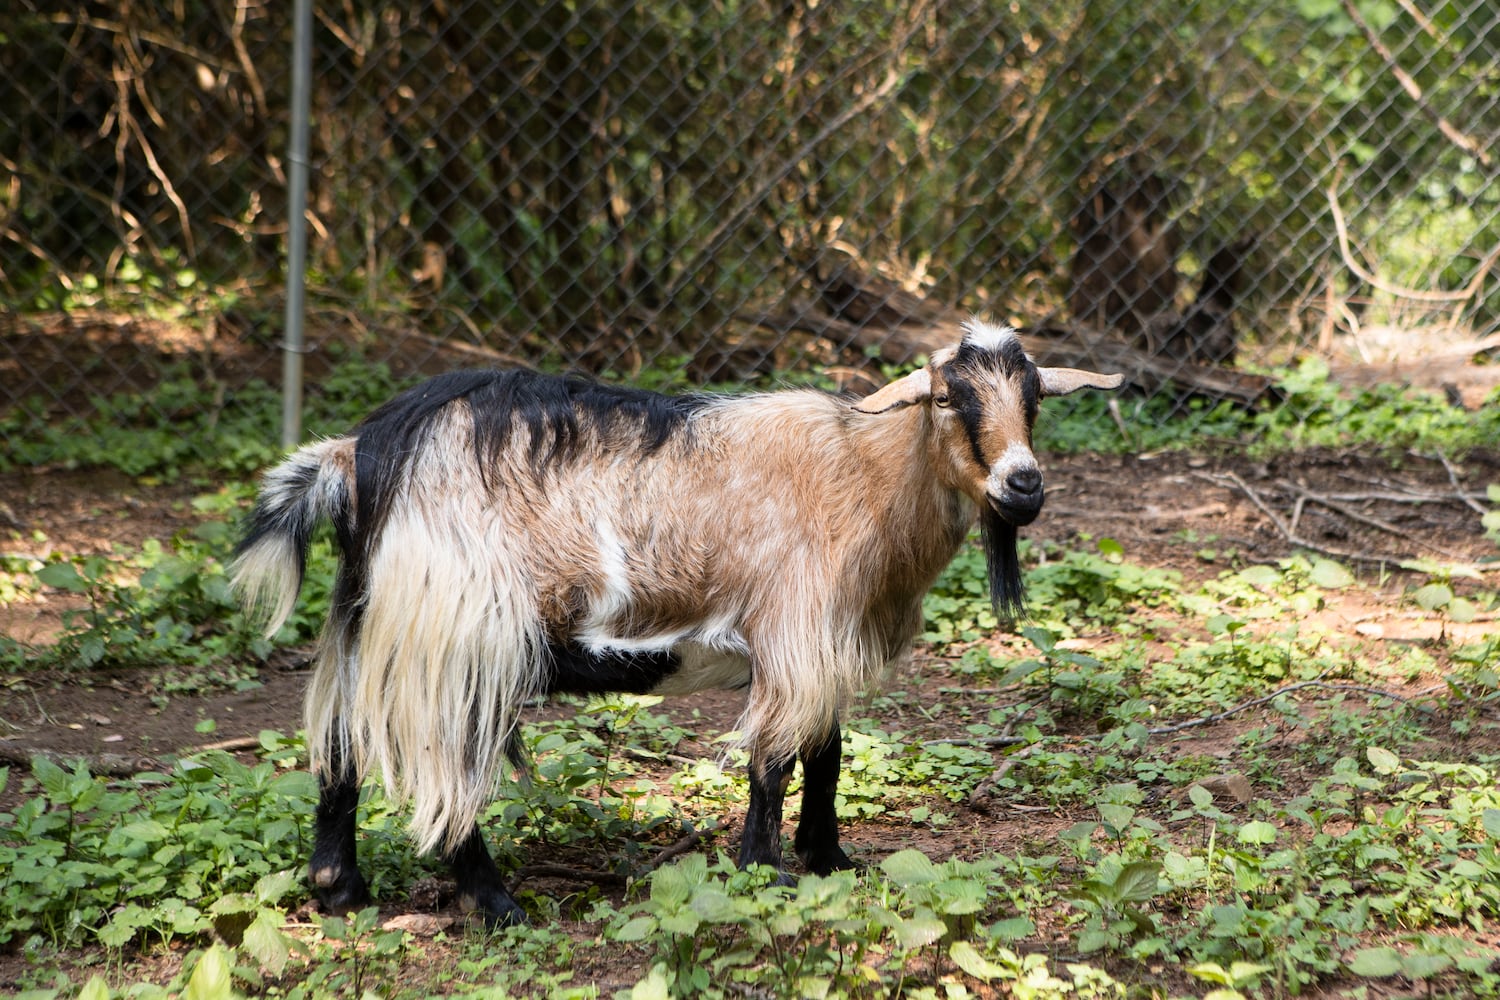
(1018, 509)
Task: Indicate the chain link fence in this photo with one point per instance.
(725, 189)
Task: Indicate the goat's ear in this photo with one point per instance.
(1061, 381)
(905, 391)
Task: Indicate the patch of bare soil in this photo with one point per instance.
(1369, 511)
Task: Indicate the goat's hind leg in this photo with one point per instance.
(480, 888)
(334, 867)
(817, 840)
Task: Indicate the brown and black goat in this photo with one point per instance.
(505, 535)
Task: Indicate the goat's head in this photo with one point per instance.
(982, 397)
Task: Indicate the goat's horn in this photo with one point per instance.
(905, 391)
(1061, 381)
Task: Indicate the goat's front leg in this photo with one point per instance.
(334, 868)
(761, 843)
(480, 887)
(817, 841)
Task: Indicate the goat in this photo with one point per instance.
(505, 535)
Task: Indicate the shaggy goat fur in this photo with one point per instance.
(506, 534)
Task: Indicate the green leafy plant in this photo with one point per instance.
(153, 859)
(356, 955)
(1111, 899)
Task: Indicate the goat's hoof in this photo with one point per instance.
(827, 862)
(496, 907)
(338, 892)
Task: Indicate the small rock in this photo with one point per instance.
(99, 720)
(420, 924)
(1232, 788)
(114, 738)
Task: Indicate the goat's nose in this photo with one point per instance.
(1025, 482)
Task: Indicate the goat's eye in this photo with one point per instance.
(941, 399)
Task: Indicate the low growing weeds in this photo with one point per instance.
(1380, 848)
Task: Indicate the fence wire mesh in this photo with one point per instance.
(725, 189)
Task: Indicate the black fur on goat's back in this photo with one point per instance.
(1007, 587)
(557, 412)
(554, 409)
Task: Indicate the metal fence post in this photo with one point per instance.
(296, 211)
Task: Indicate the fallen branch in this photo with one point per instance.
(1458, 489)
(1412, 496)
(111, 765)
(571, 874)
(978, 741)
(982, 790)
(1289, 532)
(237, 743)
(858, 307)
(1341, 507)
(1288, 689)
(681, 846)
(1346, 250)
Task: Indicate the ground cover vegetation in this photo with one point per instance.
(1170, 781)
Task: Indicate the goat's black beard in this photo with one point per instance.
(1007, 589)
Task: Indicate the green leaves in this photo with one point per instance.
(63, 576)
(1436, 597)
(702, 917)
(1382, 760)
(909, 867)
(1330, 575)
(1136, 882)
(1383, 962)
(157, 607)
(1258, 833)
(156, 857)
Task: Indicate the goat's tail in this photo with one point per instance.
(311, 486)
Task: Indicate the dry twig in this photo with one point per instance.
(982, 790)
(1287, 531)
(1302, 494)
(571, 874)
(1373, 692)
(111, 765)
(684, 844)
(681, 846)
(1458, 489)
(1463, 296)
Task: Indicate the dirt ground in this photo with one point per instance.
(1198, 515)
